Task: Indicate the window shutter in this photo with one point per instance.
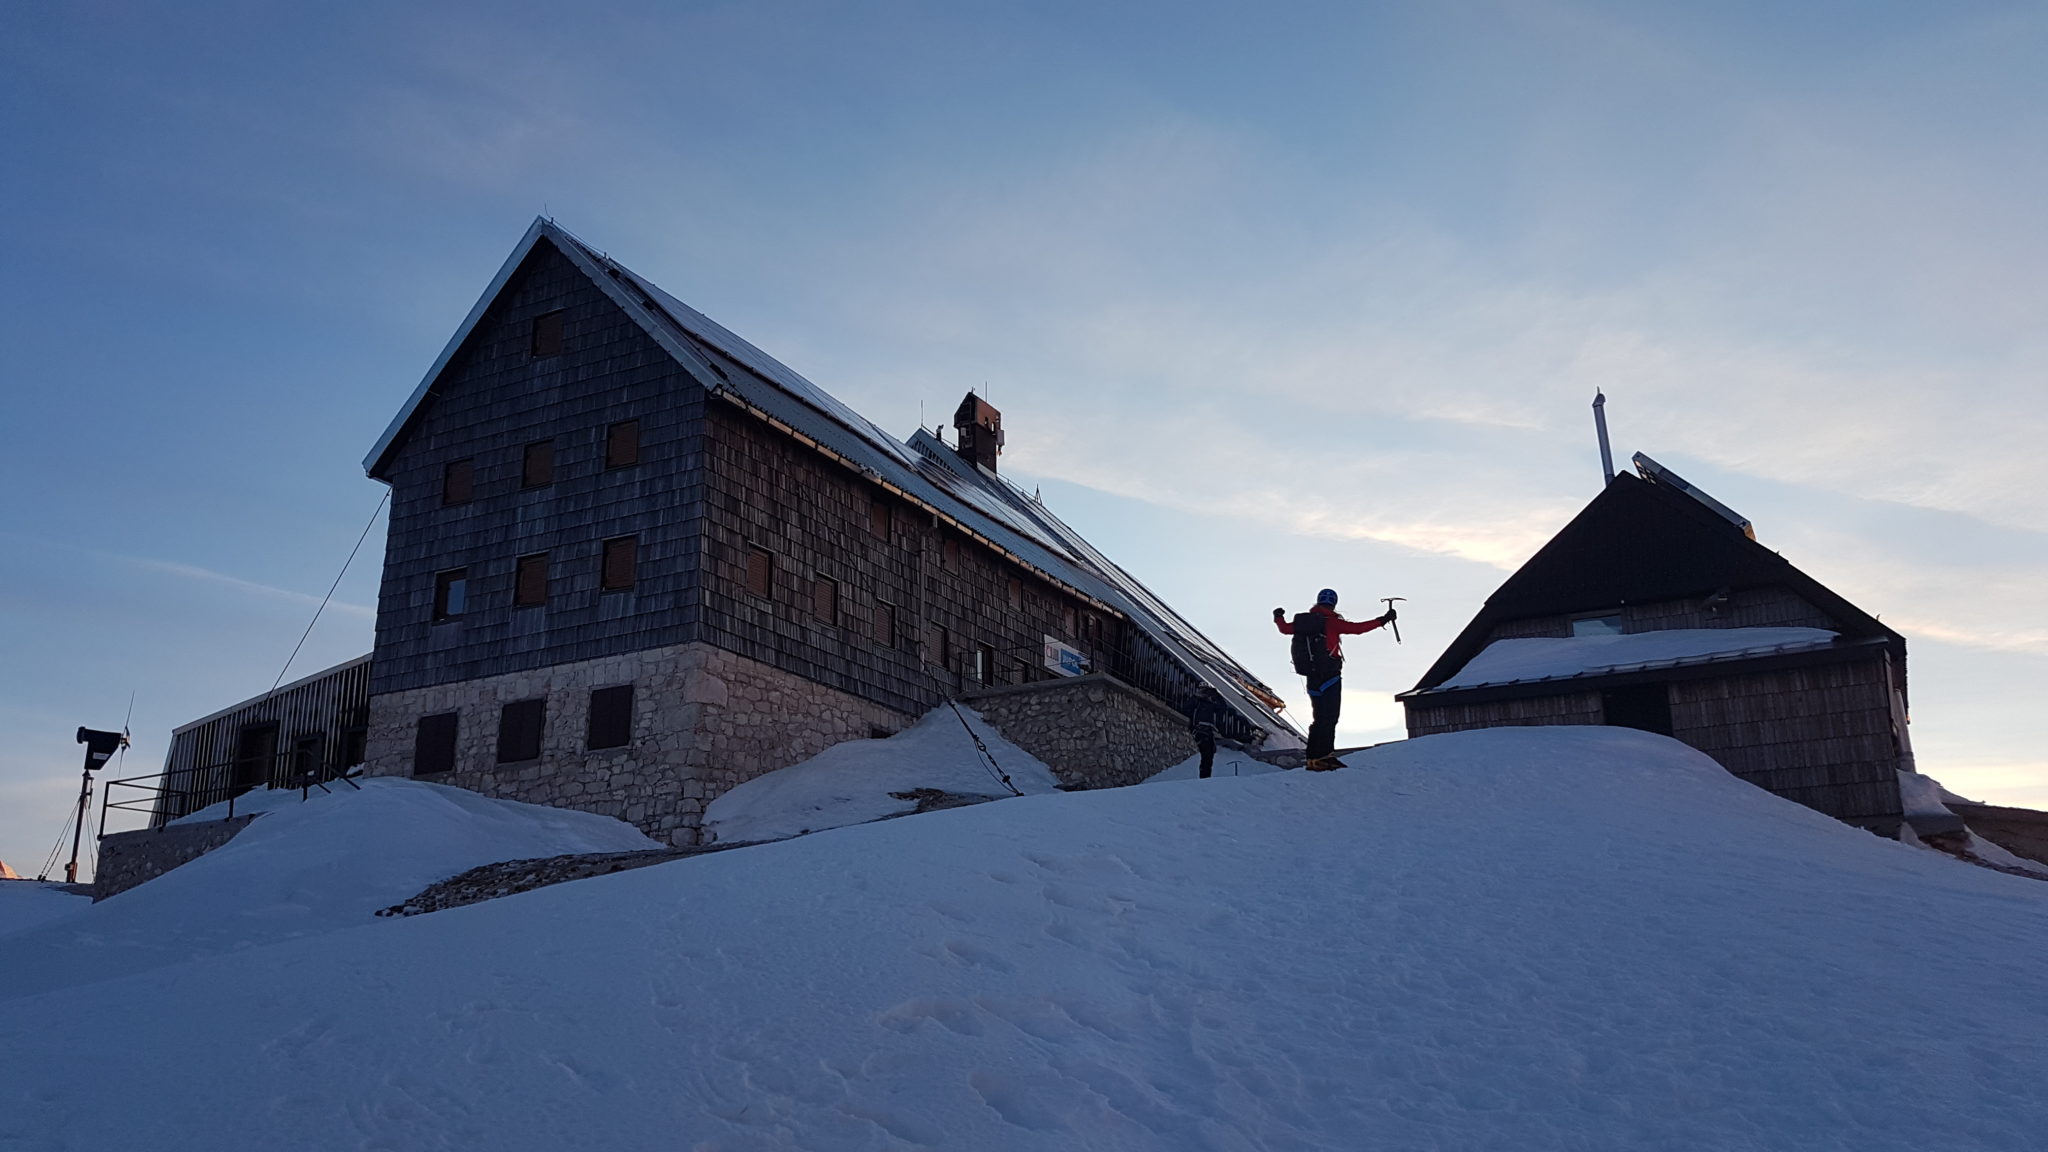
(622, 444)
(621, 556)
(611, 717)
(760, 572)
(433, 747)
(458, 482)
(538, 470)
(825, 599)
(880, 520)
(530, 589)
(547, 334)
(520, 727)
(885, 624)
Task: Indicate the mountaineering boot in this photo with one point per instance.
(1324, 764)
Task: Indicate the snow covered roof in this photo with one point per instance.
(1526, 660)
(924, 469)
(1643, 541)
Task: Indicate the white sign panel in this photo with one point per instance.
(1064, 660)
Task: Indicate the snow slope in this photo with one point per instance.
(25, 904)
(850, 783)
(1527, 939)
(301, 869)
(1539, 658)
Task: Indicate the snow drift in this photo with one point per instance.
(1529, 939)
(304, 867)
(855, 782)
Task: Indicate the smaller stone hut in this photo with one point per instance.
(1655, 608)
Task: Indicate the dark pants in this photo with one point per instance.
(1208, 751)
(1325, 702)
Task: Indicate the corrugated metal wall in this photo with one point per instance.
(317, 724)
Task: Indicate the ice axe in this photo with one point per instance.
(1394, 624)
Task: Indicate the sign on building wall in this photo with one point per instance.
(1064, 660)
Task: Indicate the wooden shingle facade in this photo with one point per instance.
(1746, 658)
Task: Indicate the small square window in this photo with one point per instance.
(520, 727)
(951, 552)
(881, 521)
(761, 572)
(458, 482)
(1016, 592)
(984, 664)
(622, 444)
(547, 334)
(621, 558)
(538, 469)
(825, 599)
(611, 717)
(885, 624)
(530, 588)
(433, 745)
(451, 593)
(939, 648)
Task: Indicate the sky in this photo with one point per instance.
(1271, 298)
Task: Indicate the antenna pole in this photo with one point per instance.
(1600, 424)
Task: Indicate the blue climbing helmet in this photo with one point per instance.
(1327, 596)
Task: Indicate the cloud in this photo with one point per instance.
(209, 576)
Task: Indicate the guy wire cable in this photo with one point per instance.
(330, 591)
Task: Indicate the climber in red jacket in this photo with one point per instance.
(1319, 657)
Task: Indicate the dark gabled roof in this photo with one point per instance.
(1637, 542)
(923, 470)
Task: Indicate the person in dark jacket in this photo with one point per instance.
(1206, 716)
(1325, 672)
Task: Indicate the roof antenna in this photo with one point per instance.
(1600, 423)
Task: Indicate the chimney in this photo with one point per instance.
(978, 430)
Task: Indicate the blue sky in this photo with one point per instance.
(1271, 299)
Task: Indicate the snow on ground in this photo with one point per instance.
(1533, 939)
(1538, 658)
(1229, 762)
(25, 904)
(850, 783)
(301, 869)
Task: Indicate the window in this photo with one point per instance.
(355, 743)
(458, 482)
(307, 757)
(940, 646)
(433, 745)
(825, 600)
(881, 521)
(951, 552)
(538, 471)
(621, 557)
(984, 664)
(1016, 592)
(451, 591)
(255, 755)
(885, 624)
(530, 586)
(520, 725)
(547, 334)
(611, 717)
(760, 572)
(622, 444)
(1609, 625)
(1069, 617)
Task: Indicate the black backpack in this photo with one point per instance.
(1312, 656)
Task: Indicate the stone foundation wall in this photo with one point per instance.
(131, 858)
(1092, 731)
(704, 721)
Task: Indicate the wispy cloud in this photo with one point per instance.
(209, 576)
